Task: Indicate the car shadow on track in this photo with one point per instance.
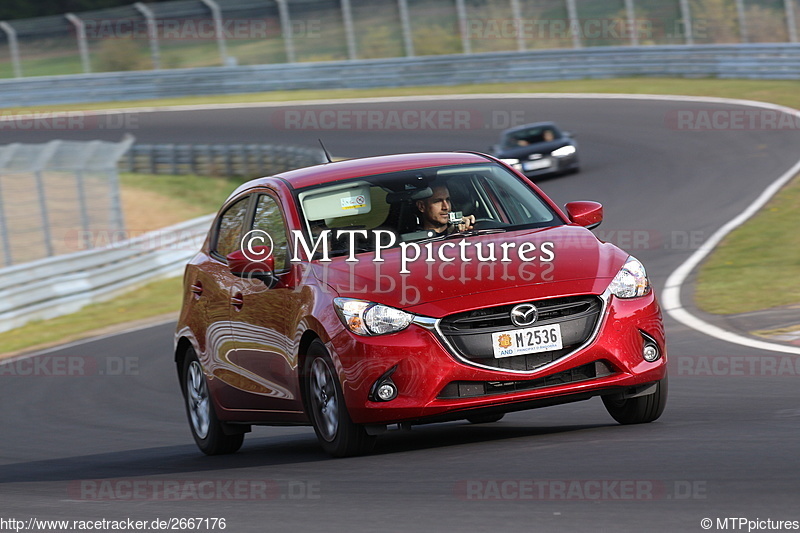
(462, 433)
(262, 451)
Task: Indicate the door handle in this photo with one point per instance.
(196, 289)
(237, 301)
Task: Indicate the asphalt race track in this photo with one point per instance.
(109, 439)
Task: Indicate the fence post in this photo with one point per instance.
(286, 30)
(405, 22)
(349, 30)
(216, 13)
(7, 258)
(461, 13)
(13, 48)
(686, 16)
(117, 218)
(38, 167)
(630, 12)
(574, 23)
(152, 33)
(91, 148)
(5, 156)
(516, 13)
(742, 21)
(83, 48)
(791, 21)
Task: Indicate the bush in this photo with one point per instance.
(121, 54)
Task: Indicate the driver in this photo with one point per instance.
(434, 213)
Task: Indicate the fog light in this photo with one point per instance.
(650, 352)
(386, 391)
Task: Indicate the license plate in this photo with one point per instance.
(536, 165)
(525, 341)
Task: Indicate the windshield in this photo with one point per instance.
(403, 203)
(531, 135)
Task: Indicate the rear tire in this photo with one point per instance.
(207, 430)
(485, 419)
(639, 410)
(337, 433)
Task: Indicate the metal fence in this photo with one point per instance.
(244, 160)
(754, 61)
(50, 193)
(203, 33)
(56, 286)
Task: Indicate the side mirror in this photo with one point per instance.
(568, 134)
(586, 214)
(258, 263)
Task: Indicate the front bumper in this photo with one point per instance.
(556, 165)
(434, 384)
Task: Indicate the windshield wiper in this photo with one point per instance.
(471, 232)
(458, 234)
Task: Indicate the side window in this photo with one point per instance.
(269, 218)
(230, 227)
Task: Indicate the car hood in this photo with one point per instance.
(580, 264)
(521, 152)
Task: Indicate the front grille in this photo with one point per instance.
(470, 333)
(472, 389)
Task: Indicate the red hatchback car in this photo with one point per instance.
(409, 289)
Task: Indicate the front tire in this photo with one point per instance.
(640, 410)
(337, 433)
(207, 430)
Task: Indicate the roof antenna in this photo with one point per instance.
(327, 155)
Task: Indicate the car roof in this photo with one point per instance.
(367, 166)
(527, 126)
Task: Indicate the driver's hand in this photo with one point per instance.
(466, 223)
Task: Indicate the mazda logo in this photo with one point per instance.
(524, 314)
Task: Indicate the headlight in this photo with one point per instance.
(631, 280)
(510, 162)
(564, 151)
(368, 318)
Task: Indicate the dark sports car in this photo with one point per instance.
(538, 149)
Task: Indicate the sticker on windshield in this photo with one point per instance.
(354, 202)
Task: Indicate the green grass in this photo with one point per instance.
(195, 195)
(49, 66)
(153, 299)
(757, 265)
(777, 91)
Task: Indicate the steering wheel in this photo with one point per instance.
(487, 223)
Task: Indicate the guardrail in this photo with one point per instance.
(244, 160)
(754, 61)
(59, 285)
